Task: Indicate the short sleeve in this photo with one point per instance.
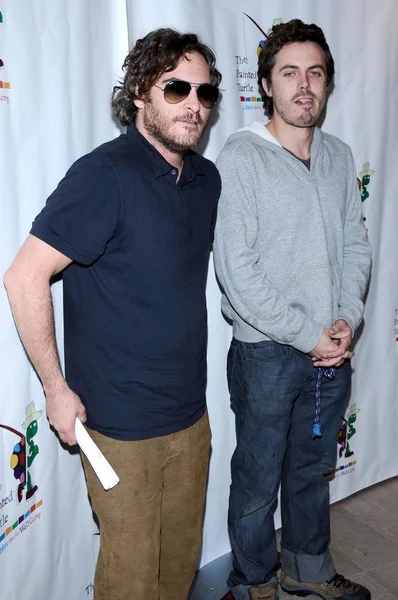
(81, 215)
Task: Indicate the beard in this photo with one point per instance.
(308, 117)
(160, 127)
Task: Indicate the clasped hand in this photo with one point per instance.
(333, 347)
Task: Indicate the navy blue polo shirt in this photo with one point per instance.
(135, 320)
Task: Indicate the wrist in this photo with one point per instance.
(54, 387)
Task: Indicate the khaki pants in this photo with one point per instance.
(151, 522)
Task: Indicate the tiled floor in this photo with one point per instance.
(364, 546)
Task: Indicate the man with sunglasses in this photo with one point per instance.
(292, 255)
(131, 227)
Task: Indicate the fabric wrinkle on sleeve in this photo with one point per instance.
(81, 215)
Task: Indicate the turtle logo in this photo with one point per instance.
(344, 437)
(347, 431)
(364, 181)
(25, 452)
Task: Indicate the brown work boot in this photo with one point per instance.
(338, 588)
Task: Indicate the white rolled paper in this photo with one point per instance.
(97, 460)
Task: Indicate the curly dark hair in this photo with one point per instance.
(157, 53)
(288, 33)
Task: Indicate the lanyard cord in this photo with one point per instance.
(329, 374)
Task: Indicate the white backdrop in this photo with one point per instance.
(59, 62)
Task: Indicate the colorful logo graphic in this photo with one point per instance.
(4, 85)
(25, 452)
(246, 69)
(22, 457)
(344, 441)
(19, 526)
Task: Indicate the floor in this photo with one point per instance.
(364, 546)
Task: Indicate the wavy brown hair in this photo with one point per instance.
(288, 33)
(157, 53)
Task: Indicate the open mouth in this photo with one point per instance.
(305, 102)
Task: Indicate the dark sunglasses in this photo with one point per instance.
(176, 91)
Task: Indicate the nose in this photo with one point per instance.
(304, 82)
(192, 101)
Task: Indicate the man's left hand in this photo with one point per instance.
(342, 333)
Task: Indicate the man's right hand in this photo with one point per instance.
(323, 348)
(28, 286)
(63, 406)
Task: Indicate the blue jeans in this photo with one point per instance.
(272, 388)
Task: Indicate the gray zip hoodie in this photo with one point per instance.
(291, 249)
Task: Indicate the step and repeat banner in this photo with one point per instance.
(58, 64)
(59, 61)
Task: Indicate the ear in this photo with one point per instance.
(138, 101)
(267, 88)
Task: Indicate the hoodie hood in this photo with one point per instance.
(259, 128)
(257, 133)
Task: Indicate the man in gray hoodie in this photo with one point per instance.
(292, 256)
